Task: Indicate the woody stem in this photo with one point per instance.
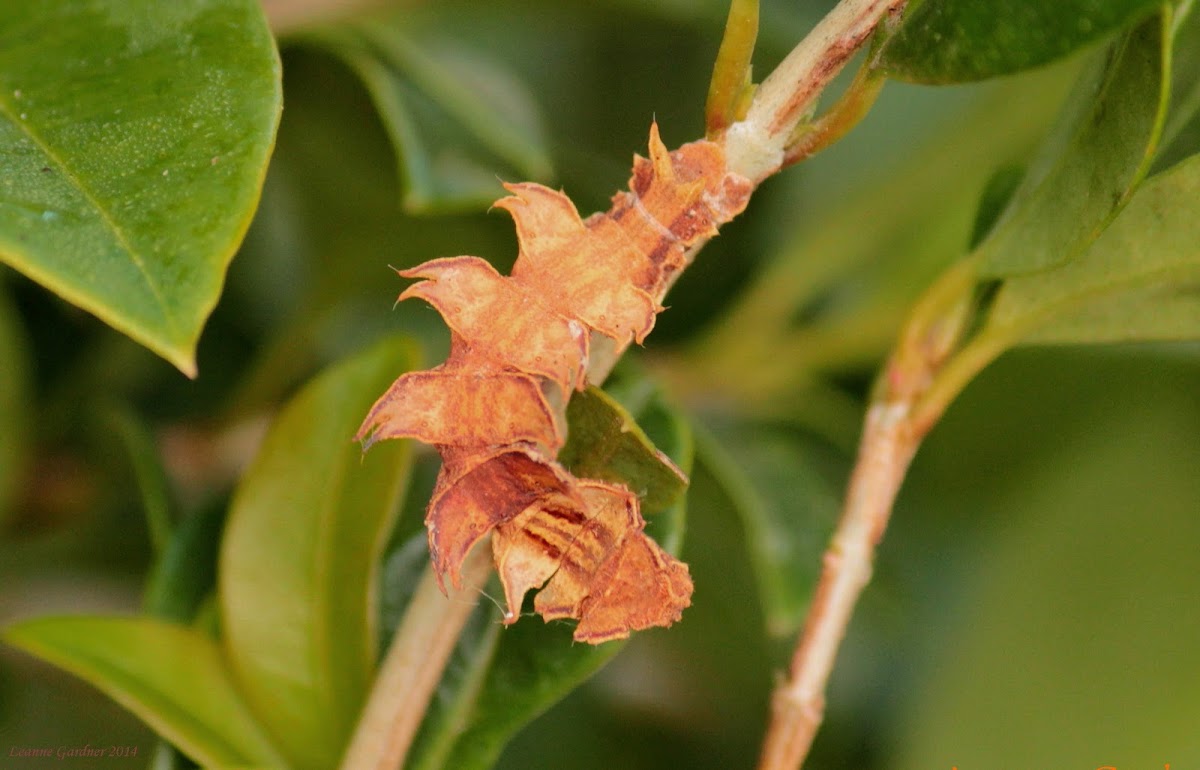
(798, 706)
(413, 666)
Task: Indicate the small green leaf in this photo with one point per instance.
(14, 406)
(788, 500)
(172, 677)
(501, 678)
(185, 573)
(954, 41)
(298, 564)
(457, 121)
(604, 442)
(1091, 162)
(1140, 280)
(150, 474)
(134, 136)
(731, 71)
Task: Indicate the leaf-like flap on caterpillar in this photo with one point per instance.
(529, 549)
(638, 586)
(512, 339)
(470, 502)
(613, 578)
(450, 406)
(503, 321)
(546, 220)
(581, 272)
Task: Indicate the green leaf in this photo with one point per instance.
(1139, 281)
(149, 471)
(14, 398)
(299, 560)
(172, 677)
(995, 199)
(604, 442)
(134, 137)
(501, 678)
(955, 41)
(1181, 132)
(1092, 161)
(185, 573)
(457, 121)
(731, 78)
(788, 499)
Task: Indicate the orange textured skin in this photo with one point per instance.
(513, 338)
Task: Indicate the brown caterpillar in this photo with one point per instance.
(516, 339)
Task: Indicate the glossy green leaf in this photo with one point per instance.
(457, 121)
(787, 497)
(171, 676)
(14, 406)
(501, 678)
(298, 564)
(1092, 161)
(1140, 280)
(954, 41)
(605, 442)
(134, 137)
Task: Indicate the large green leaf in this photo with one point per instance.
(457, 121)
(952, 41)
(299, 560)
(787, 497)
(14, 409)
(1140, 280)
(1093, 159)
(134, 137)
(500, 678)
(171, 676)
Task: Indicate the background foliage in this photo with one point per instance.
(1031, 602)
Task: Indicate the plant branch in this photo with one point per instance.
(413, 666)
(798, 706)
(901, 413)
(756, 145)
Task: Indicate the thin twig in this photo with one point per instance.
(798, 706)
(897, 420)
(755, 145)
(413, 666)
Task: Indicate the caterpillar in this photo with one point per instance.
(494, 410)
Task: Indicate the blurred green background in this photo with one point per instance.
(1034, 598)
